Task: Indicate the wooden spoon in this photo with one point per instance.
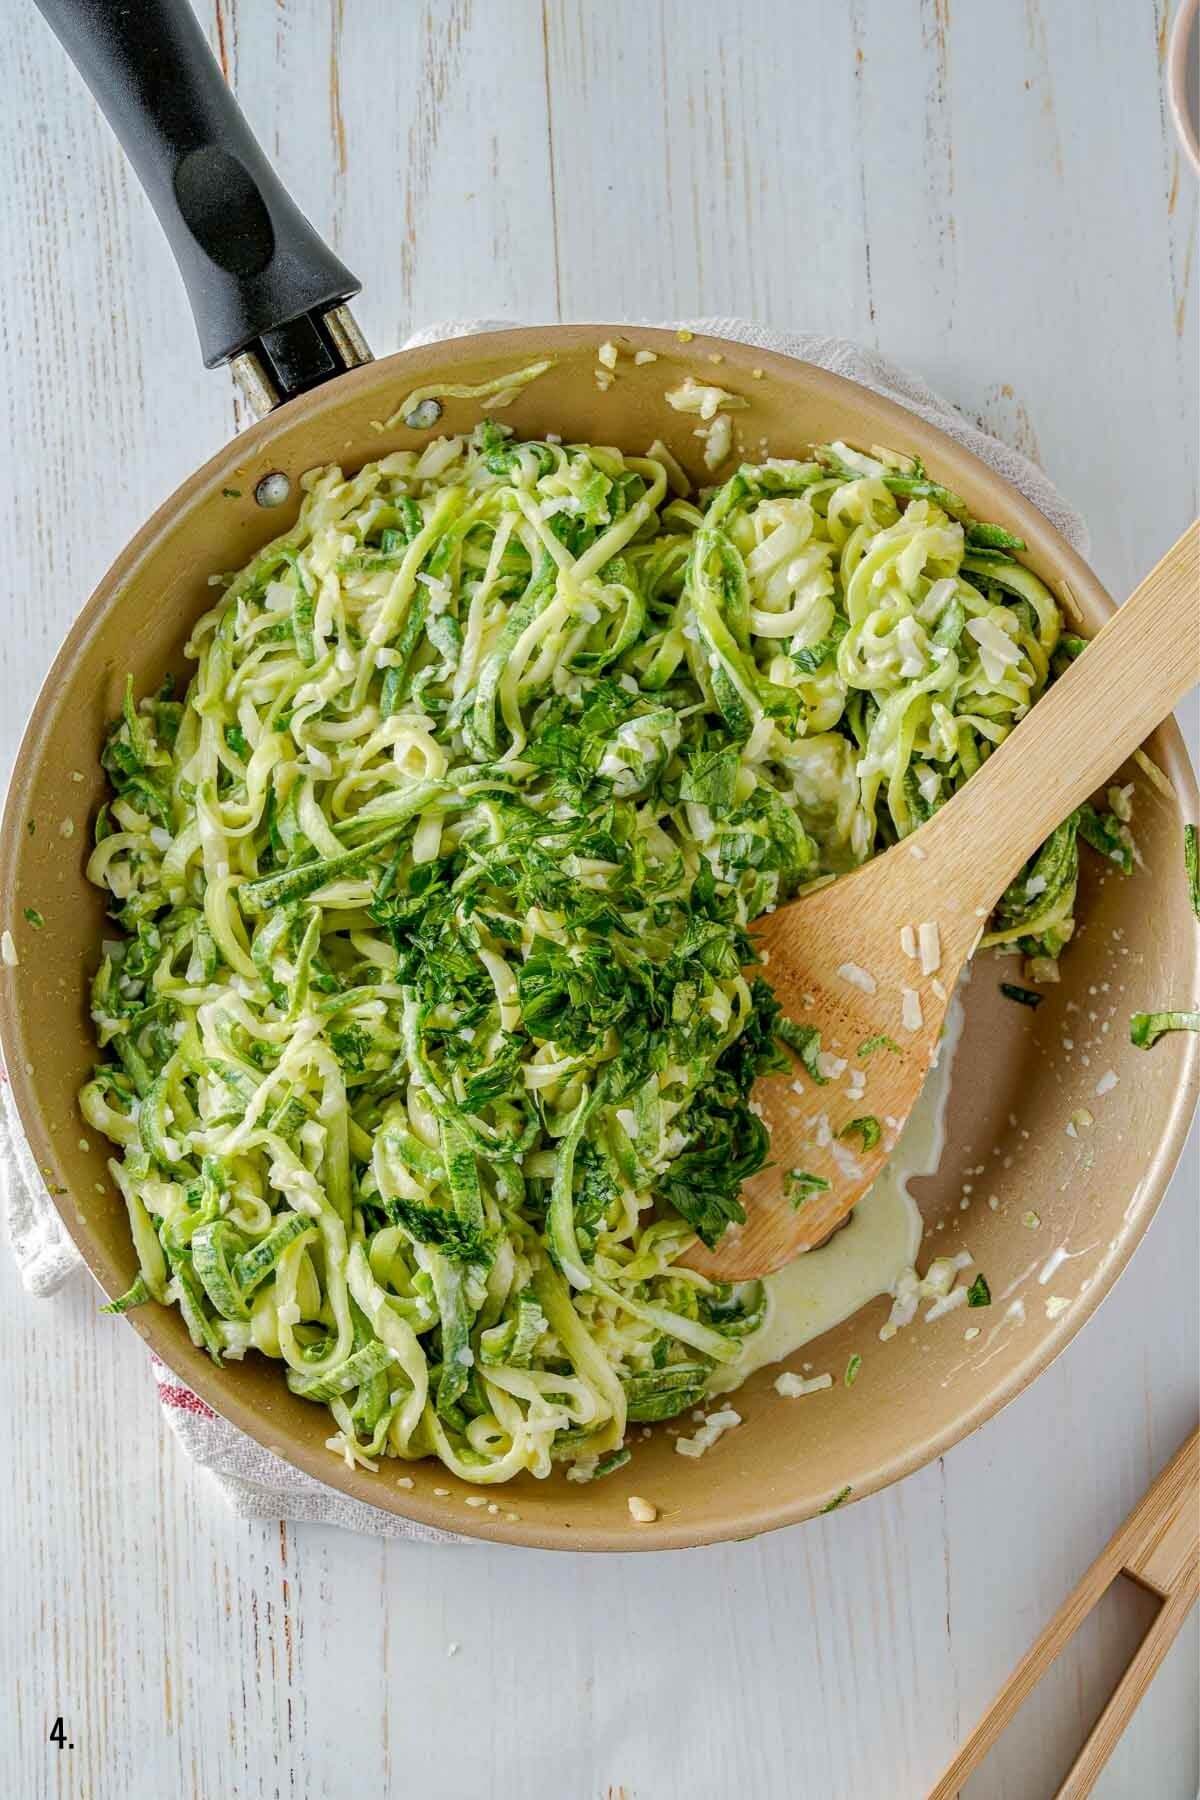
(835, 958)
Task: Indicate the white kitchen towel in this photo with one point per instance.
(257, 1484)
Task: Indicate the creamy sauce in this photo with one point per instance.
(867, 1256)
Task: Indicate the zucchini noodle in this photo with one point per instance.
(428, 1045)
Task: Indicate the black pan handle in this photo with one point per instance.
(266, 293)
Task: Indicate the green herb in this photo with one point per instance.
(710, 779)
(838, 1500)
(867, 1128)
(1146, 1028)
(703, 1184)
(441, 1229)
(852, 1368)
(1032, 908)
(815, 656)
(1106, 833)
(616, 1459)
(880, 1041)
(801, 1186)
(1022, 995)
(734, 1311)
(979, 1293)
(34, 917)
(231, 493)
(805, 1040)
(351, 1045)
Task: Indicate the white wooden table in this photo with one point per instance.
(990, 193)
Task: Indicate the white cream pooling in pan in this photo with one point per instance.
(867, 1256)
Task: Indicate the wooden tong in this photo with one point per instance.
(1158, 1546)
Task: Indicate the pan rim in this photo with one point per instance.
(751, 1518)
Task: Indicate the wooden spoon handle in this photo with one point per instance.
(1125, 683)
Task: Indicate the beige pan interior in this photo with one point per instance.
(1136, 948)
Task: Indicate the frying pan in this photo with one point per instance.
(269, 299)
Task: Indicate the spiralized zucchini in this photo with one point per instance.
(428, 1045)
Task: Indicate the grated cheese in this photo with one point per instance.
(794, 1387)
(693, 396)
(718, 441)
(930, 943)
(713, 1428)
(1053, 1262)
(997, 652)
(1120, 799)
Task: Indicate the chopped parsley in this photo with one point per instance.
(867, 1128)
(1146, 1028)
(979, 1293)
(881, 1041)
(800, 1186)
(437, 1227)
(351, 1045)
(852, 1368)
(1107, 834)
(1022, 995)
(608, 1465)
(805, 1040)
